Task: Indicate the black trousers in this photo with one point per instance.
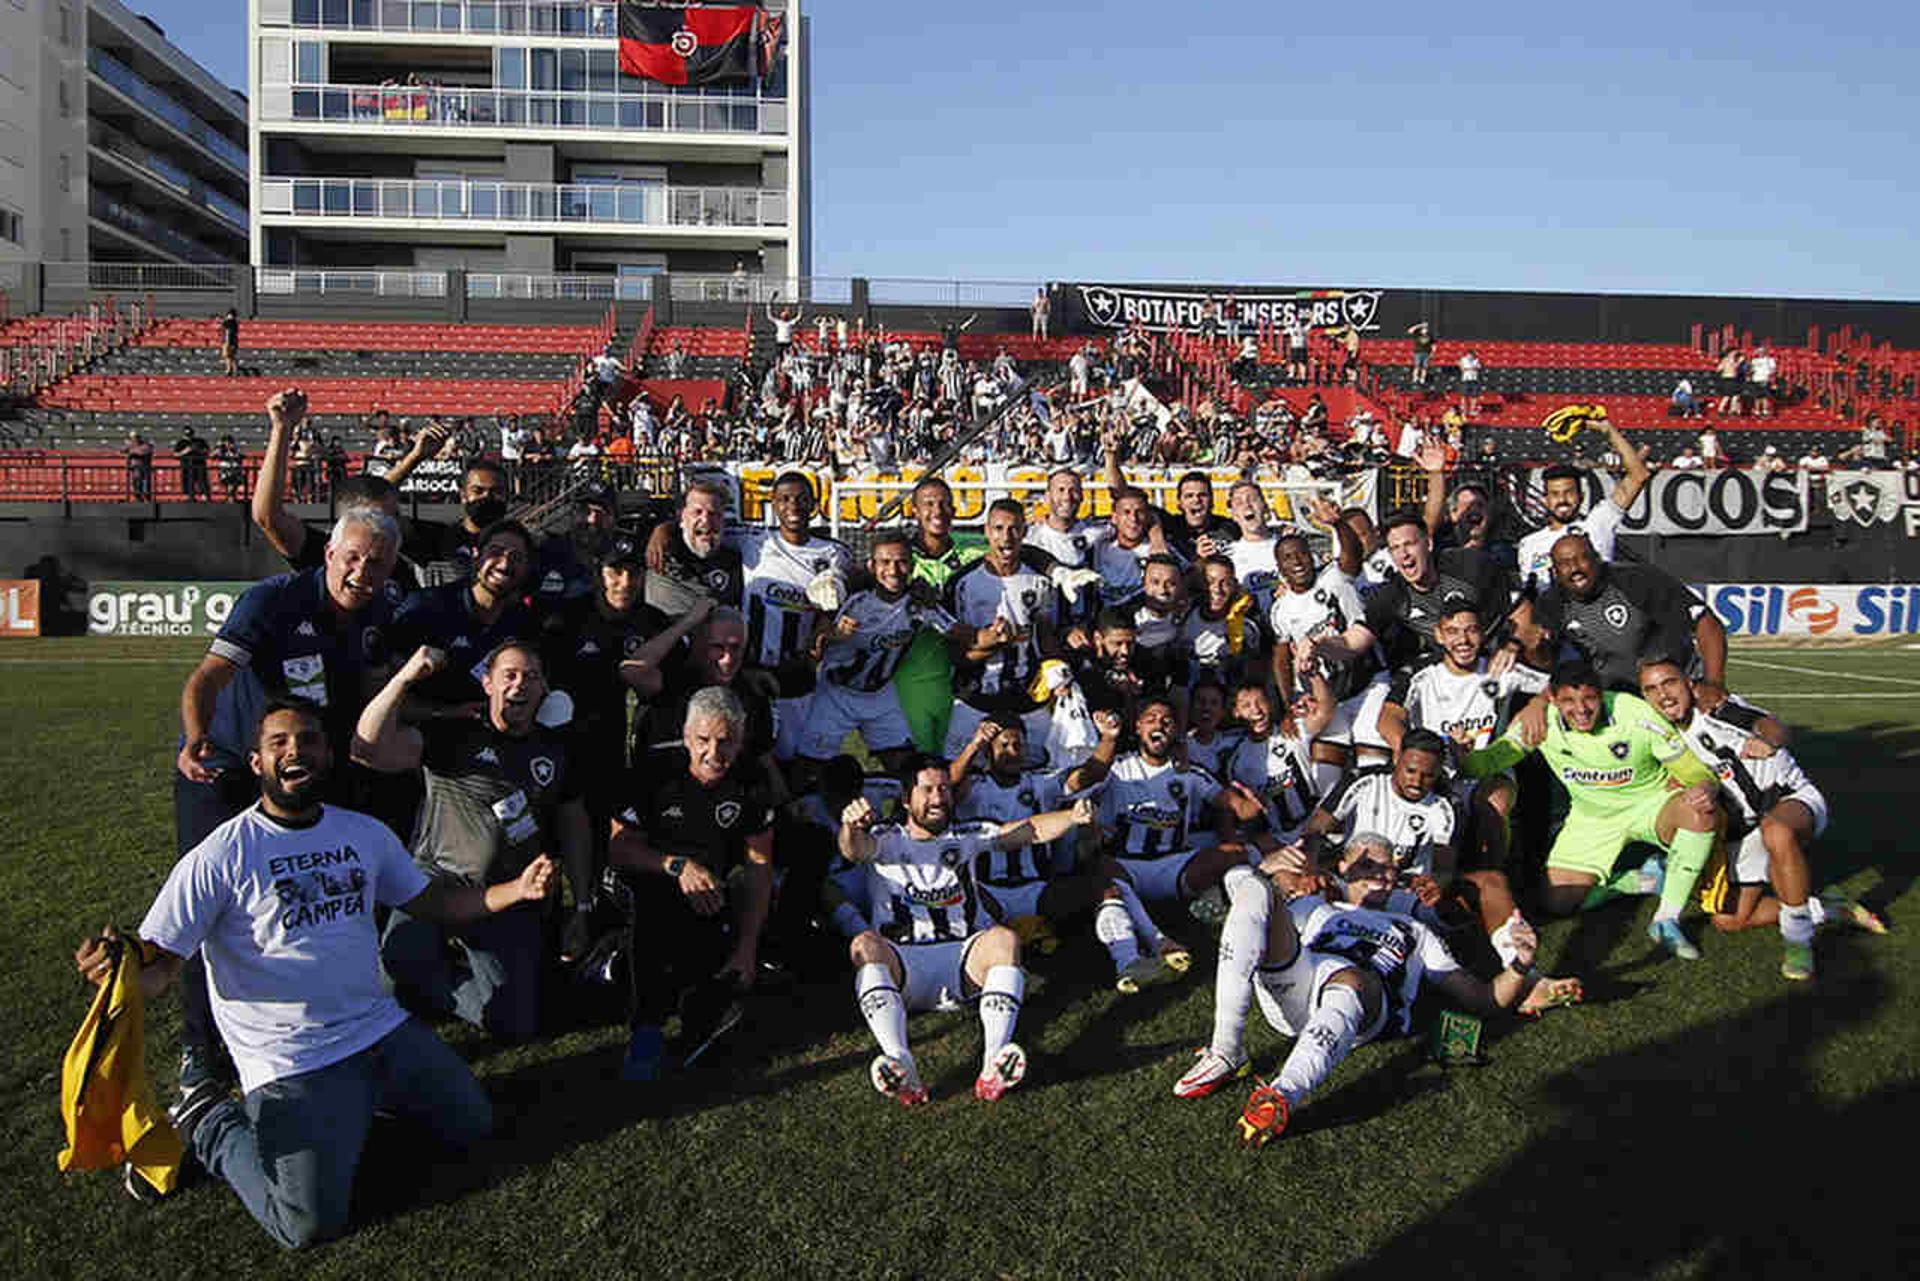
(672, 950)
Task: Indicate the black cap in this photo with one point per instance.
(622, 549)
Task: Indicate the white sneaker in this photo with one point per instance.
(1209, 1072)
(897, 1079)
(1009, 1068)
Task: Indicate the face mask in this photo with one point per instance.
(484, 511)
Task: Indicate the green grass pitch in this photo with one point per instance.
(1702, 1120)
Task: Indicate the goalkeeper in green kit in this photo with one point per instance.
(1631, 778)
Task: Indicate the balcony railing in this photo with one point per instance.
(472, 17)
(376, 283)
(443, 107)
(172, 175)
(481, 201)
(151, 229)
(178, 114)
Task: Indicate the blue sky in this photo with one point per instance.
(1676, 147)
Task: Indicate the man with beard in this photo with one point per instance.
(1069, 543)
(694, 849)
(1614, 614)
(280, 901)
(568, 563)
(715, 654)
(860, 652)
(692, 559)
(320, 635)
(1011, 608)
(1774, 813)
(499, 791)
(1121, 560)
(933, 946)
(1565, 492)
(1153, 808)
(1156, 613)
(466, 621)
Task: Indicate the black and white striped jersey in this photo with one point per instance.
(1452, 703)
(1751, 786)
(988, 799)
(867, 660)
(1153, 809)
(1279, 770)
(1327, 608)
(780, 618)
(922, 890)
(1367, 803)
(1025, 598)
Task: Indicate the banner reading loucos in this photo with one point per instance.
(1092, 308)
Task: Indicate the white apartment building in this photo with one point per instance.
(498, 138)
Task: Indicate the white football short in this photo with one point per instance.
(1750, 860)
(1356, 721)
(936, 974)
(836, 711)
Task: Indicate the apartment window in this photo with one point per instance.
(10, 227)
(511, 72)
(309, 62)
(543, 69)
(64, 171)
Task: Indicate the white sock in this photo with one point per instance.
(1143, 927)
(1114, 929)
(1327, 1038)
(1819, 910)
(1243, 939)
(848, 920)
(885, 1011)
(1796, 923)
(1000, 1009)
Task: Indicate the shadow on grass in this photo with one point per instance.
(1643, 1174)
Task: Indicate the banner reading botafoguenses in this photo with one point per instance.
(1096, 306)
(160, 609)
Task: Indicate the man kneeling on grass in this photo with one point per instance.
(279, 899)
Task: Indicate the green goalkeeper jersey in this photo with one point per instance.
(1630, 755)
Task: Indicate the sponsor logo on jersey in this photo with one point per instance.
(783, 595)
(305, 629)
(1596, 777)
(673, 812)
(949, 895)
(1153, 816)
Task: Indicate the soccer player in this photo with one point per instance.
(1334, 976)
(1630, 778)
(1274, 760)
(1404, 807)
(1252, 553)
(1039, 884)
(1121, 560)
(280, 901)
(859, 653)
(499, 792)
(1211, 739)
(924, 678)
(1156, 614)
(1312, 602)
(1152, 805)
(1222, 633)
(1614, 614)
(1565, 493)
(1774, 812)
(1457, 696)
(1011, 609)
(933, 946)
(1062, 534)
(695, 848)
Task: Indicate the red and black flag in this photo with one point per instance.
(688, 44)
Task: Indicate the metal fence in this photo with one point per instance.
(368, 284)
(642, 205)
(950, 293)
(145, 277)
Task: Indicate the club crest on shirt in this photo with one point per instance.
(1490, 688)
(717, 579)
(370, 640)
(726, 813)
(950, 856)
(1177, 790)
(541, 767)
(1418, 822)
(1616, 615)
(1620, 750)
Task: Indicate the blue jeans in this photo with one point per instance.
(499, 987)
(290, 1148)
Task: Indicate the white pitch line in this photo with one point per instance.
(1818, 671)
(1892, 693)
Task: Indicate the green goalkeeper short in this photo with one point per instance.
(1591, 842)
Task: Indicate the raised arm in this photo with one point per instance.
(1042, 828)
(428, 444)
(1627, 489)
(451, 902)
(284, 532)
(380, 741)
(1094, 770)
(197, 699)
(857, 843)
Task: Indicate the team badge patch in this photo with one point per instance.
(717, 579)
(1620, 750)
(1616, 615)
(726, 813)
(950, 856)
(541, 768)
(1177, 790)
(1418, 822)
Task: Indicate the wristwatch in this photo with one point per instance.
(675, 866)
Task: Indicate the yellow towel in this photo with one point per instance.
(105, 1100)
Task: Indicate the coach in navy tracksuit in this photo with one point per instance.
(318, 635)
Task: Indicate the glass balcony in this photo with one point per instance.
(174, 112)
(583, 18)
(160, 167)
(439, 107)
(150, 229)
(470, 201)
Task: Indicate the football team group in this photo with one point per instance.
(680, 766)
